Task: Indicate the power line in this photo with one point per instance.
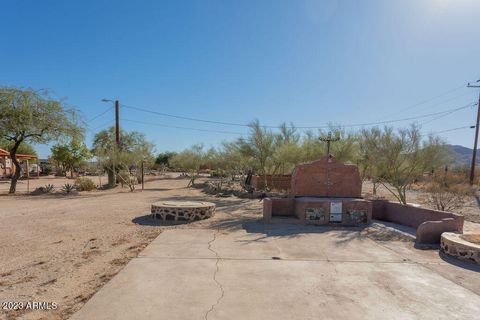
(428, 100)
(445, 112)
(100, 114)
(453, 129)
(101, 126)
(184, 118)
(443, 101)
(411, 118)
(443, 115)
(178, 127)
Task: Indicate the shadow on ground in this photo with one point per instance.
(459, 263)
(147, 220)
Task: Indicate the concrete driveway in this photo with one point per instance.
(285, 272)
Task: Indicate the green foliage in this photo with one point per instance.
(46, 168)
(84, 184)
(345, 149)
(126, 178)
(164, 158)
(133, 149)
(68, 188)
(42, 190)
(397, 159)
(30, 116)
(189, 161)
(24, 148)
(69, 155)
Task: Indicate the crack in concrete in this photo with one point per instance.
(220, 286)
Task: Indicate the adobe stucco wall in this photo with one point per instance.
(430, 224)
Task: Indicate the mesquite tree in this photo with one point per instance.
(32, 116)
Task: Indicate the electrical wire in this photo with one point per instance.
(178, 127)
(453, 129)
(442, 116)
(100, 126)
(100, 114)
(449, 111)
(429, 100)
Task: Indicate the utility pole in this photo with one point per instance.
(474, 153)
(117, 123)
(116, 147)
(328, 139)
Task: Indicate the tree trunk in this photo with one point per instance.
(18, 168)
(111, 178)
(402, 195)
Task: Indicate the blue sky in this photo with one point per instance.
(308, 62)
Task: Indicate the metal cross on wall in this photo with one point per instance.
(328, 139)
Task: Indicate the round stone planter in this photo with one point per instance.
(461, 246)
(182, 210)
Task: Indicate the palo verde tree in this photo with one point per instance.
(345, 149)
(69, 155)
(32, 116)
(132, 150)
(287, 152)
(369, 152)
(260, 146)
(400, 158)
(189, 161)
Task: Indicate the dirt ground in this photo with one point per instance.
(470, 209)
(63, 248)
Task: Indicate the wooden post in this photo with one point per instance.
(143, 176)
(117, 123)
(474, 153)
(28, 177)
(38, 168)
(475, 143)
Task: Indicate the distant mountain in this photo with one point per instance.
(462, 155)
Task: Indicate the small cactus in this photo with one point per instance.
(68, 188)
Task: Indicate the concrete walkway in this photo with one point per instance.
(284, 272)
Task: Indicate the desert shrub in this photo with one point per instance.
(84, 184)
(42, 190)
(68, 187)
(447, 192)
(47, 169)
(125, 178)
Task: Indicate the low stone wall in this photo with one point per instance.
(182, 210)
(430, 224)
(457, 246)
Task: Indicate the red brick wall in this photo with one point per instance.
(326, 177)
(275, 182)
